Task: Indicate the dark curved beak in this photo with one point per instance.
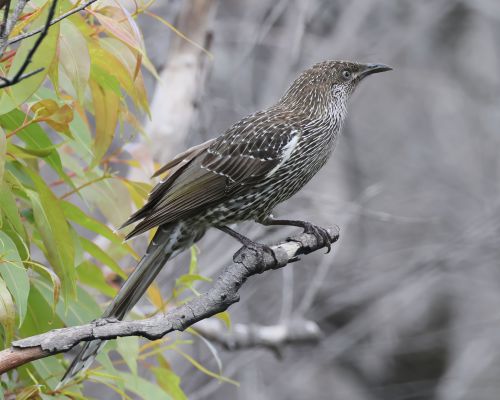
(373, 69)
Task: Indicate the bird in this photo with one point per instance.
(241, 175)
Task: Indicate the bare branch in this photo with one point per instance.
(222, 294)
(273, 337)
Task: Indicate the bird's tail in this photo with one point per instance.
(167, 242)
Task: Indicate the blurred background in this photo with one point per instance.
(408, 300)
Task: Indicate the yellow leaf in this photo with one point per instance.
(155, 297)
(224, 317)
(106, 108)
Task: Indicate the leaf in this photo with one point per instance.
(57, 117)
(142, 387)
(56, 282)
(154, 296)
(116, 22)
(53, 227)
(91, 275)
(7, 312)
(105, 79)
(206, 371)
(12, 224)
(138, 191)
(13, 96)
(40, 317)
(110, 197)
(78, 311)
(74, 58)
(224, 317)
(75, 214)
(35, 138)
(3, 151)
(100, 255)
(22, 152)
(128, 347)
(106, 108)
(169, 382)
(14, 275)
(128, 58)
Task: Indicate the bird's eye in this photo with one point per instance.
(346, 74)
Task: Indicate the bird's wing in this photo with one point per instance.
(248, 152)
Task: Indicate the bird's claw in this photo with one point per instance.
(321, 235)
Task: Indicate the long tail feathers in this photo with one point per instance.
(166, 243)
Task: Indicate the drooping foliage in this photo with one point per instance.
(62, 130)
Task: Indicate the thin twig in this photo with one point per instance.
(222, 294)
(20, 75)
(54, 21)
(10, 23)
(5, 4)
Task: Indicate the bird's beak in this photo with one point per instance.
(372, 69)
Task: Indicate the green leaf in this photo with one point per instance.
(56, 282)
(72, 312)
(100, 255)
(169, 382)
(40, 316)
(44, 152)
(54, 230)
(14, 274)
(108, 196)
(7, 312)
(105, 79)
(91, 275)
(10, 213)
(128, 347)
(76, 215)
(74, 58)
(3, 151)
(35, 138)
(142, 387)
(13, 96)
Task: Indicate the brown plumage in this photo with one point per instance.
(257, 163)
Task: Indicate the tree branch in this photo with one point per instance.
(222, 294)
(273, 337)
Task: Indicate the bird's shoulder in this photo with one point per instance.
(262, 136)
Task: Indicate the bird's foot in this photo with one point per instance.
(321, 234)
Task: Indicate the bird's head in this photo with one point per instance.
(326, 86)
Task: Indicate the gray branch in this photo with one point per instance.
(273, 337)
(222, 294)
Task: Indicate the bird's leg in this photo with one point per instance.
(259, 248)
(320, 233)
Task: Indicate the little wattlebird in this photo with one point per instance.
(243, 174)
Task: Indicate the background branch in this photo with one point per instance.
(273, 337)
(222, 294)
